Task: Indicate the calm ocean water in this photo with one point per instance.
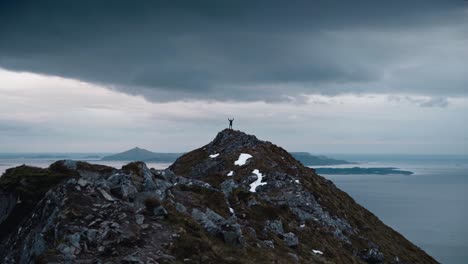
(430, 208)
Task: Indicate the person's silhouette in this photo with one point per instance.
(230, 123)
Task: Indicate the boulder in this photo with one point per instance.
(274, 226)
(290, 239)
(372, 255)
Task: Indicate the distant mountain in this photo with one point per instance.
(310, 160)
(139, 154)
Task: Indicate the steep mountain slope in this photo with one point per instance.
(236, 200)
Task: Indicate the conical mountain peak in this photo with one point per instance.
(225, 153)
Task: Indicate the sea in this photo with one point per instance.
(429, 207)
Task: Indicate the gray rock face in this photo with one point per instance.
(78, 222)
(304, 204)
(165, 175)
(373, 255)
(228, 186)
(149, 184)
(216, 225)
(122, 187)
(144, 175)
(31, 232)
(275, 226)
(207, 223)
(161, 187)
(290, 239)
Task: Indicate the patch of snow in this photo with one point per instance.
(231, 210)
(302, 226)
(317, 252)
(230, 173)
(258, 182)
(243, 157)
(297, 181)
(214, 155)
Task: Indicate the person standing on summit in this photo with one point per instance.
(230, 123)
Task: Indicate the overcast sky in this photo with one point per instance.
(317, 76)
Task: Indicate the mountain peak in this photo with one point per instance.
(135, 153)
(228, 137)
(220, 155)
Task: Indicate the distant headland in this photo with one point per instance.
(359, 170)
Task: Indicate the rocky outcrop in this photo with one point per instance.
(213, 205)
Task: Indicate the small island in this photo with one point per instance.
(359, 170)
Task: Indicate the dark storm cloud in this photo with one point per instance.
(238, 50)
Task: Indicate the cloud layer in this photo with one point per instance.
(44, 114)
(243, 51)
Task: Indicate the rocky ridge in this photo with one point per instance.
(210, 206)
